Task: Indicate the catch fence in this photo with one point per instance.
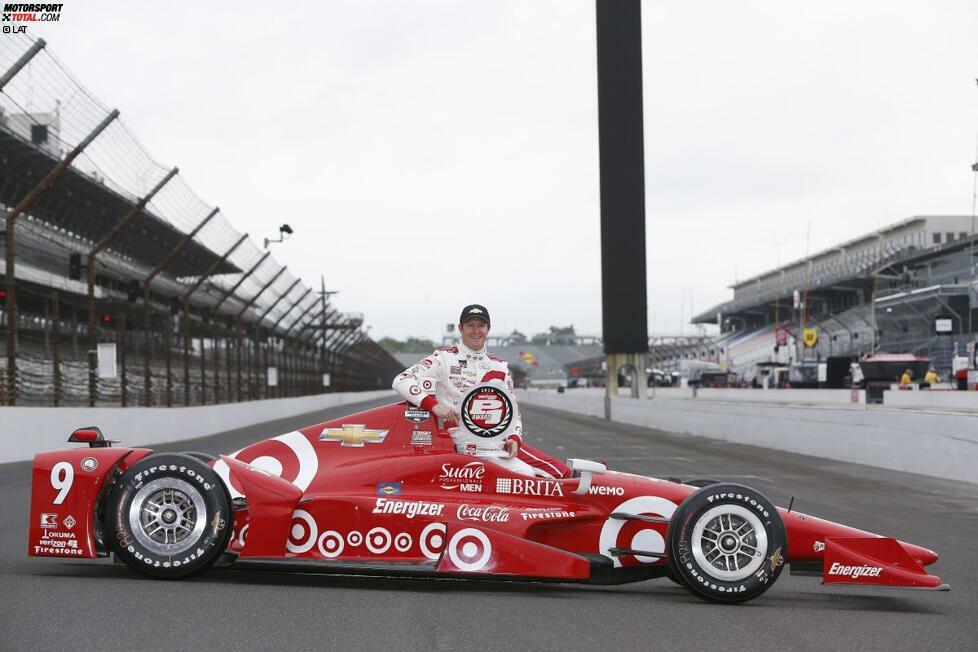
(109, 252)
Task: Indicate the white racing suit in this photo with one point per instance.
(456, 370)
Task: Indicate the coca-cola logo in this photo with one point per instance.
(482, 513)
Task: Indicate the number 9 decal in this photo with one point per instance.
(62, 477)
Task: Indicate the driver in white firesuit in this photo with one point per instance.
(456, 369)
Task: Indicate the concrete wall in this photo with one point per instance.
(932, 400)
(739, 395)
(793, 396)
(24, 431)
(942, 445)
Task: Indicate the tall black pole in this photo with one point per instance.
(622, 168)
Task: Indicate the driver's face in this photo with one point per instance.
(474, 333)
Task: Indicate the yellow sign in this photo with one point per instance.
(353, 435)
(810, 337)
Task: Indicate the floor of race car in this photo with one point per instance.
(51, 604)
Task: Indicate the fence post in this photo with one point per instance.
(203, 373)
(121, 346)
(56, 346)
(12, 215)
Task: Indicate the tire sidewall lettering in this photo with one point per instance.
(212, 540)
(682, 561)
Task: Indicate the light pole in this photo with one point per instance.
(283, 231)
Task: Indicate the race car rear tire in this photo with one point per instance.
(169, 516)
(203, 457)
(701, 482)
(726, 542)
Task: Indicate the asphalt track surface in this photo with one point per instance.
(48, 604)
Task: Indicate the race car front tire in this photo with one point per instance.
(726, 542)
(169, 516)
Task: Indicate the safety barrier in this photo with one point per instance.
(28, 430)
(938, 444)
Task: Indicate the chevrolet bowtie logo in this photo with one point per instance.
(353, 435)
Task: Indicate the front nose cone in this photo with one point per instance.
(921, 554)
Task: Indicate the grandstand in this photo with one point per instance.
(534, 364)
(106, 246)
(884, 291)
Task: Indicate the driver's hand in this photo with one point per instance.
(512, 448)
(443, 411)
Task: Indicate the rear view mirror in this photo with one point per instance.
(90, 435)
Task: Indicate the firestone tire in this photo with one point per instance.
(701, 482)
(169, 516)
(203, 457)
(727, 543)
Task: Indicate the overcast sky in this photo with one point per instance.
(431, 154)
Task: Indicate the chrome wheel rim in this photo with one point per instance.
(729, 542)
(167, 516)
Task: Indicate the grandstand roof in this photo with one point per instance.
(81, 205)
(872, 237)
(848, 265)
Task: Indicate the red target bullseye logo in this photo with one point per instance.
(302, 533)
(289, 456)
(331, 544)
(470, 549)
(378, 540)
(432, 539)
(636, 535)
(487, 411)
(402, 542)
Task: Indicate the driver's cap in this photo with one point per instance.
(474, 311)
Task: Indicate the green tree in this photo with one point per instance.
(517, 337)
(557, 335)
(411, 345)
(419, 345)
(390, 345)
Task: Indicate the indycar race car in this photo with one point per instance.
(387, 491)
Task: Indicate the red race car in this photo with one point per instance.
(385, 490)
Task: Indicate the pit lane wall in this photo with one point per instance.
(25, 431)
(941, 444)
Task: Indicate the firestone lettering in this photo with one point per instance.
(46, 550)
(855, 572)
(407, 508)
(527, 516)
(742, 498)
(173, 467)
